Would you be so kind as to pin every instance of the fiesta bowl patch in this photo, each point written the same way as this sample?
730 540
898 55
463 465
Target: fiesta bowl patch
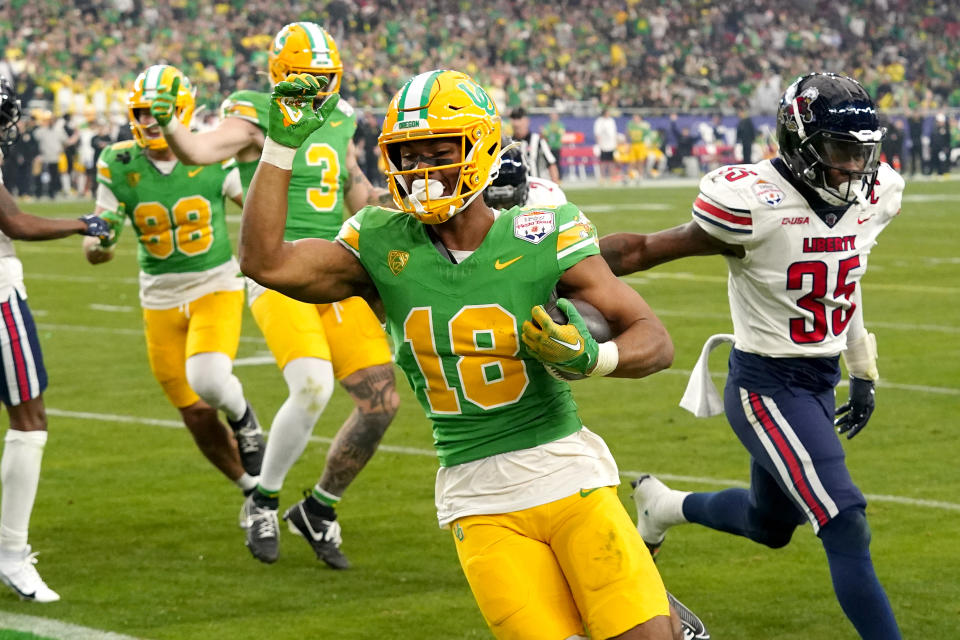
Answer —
534 226
768 193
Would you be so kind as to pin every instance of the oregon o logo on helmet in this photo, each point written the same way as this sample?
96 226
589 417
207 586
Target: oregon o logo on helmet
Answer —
478 96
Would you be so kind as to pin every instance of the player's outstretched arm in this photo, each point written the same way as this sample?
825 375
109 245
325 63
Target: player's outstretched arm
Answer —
643 343
23 226
627 253
228 139
312 270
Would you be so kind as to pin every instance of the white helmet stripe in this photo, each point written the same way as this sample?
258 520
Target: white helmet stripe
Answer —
317 42
415 96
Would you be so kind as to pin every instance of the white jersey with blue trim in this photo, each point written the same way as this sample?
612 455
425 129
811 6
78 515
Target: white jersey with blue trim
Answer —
791 295
544 193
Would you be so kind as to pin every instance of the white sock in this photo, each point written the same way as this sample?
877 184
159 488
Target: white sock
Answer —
210 375
247 482
311 383
20 475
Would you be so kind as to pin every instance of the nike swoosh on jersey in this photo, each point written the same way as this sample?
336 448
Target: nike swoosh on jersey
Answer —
573 347
862 220
503 265
337 123
585 492
194 172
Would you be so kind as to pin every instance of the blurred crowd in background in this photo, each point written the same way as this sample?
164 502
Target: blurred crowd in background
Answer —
692 69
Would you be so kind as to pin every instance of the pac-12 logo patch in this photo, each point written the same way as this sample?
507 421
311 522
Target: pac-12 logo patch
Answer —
768 193
534 226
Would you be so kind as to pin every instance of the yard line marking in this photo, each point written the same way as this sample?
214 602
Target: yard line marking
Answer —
115 308
253 361
95 279
49 628
46 326
696 277
883 384
415 451
897 326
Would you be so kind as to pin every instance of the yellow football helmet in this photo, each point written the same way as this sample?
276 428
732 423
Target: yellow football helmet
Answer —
157 78
442 104
305 47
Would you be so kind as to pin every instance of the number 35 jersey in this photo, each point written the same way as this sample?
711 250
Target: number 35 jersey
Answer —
792 294
456 327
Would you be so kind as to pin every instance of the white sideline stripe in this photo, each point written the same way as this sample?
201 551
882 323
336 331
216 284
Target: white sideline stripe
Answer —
696 277
897 326
96 279
414 451
644 206
261 360
55 629
117 331
115 308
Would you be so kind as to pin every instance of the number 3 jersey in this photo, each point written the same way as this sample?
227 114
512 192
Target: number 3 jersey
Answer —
184 250
792 294
456 327
319 180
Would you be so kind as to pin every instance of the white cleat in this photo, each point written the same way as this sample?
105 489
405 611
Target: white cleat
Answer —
658 509
18 572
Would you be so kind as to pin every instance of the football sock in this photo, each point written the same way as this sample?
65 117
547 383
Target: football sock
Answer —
269 501
324 496
721 510
247 483
317 508
210 375
20 475
846 539
311 382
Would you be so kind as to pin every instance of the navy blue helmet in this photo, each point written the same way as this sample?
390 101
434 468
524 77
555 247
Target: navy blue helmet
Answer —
509 189
828 121
9 114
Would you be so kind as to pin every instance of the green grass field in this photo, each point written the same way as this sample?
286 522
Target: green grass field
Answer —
138 532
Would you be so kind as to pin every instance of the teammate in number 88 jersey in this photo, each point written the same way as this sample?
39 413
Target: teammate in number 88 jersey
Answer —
191 289
796 232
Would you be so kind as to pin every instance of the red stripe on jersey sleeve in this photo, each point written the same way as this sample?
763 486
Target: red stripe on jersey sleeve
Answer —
723 214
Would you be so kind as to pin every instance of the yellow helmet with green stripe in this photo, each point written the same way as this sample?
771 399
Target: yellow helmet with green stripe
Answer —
449 105
157 78
305 47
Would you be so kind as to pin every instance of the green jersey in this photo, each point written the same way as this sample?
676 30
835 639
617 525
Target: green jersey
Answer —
638 132
178 217
456 327
553 134
315 198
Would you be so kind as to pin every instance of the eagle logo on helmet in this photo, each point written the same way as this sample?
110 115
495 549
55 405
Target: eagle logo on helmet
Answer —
801 108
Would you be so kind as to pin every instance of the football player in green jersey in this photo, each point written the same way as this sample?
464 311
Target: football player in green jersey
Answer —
528 492
313 344
191 289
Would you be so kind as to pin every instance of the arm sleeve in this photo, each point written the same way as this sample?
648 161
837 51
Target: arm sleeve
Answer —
106 199
232 188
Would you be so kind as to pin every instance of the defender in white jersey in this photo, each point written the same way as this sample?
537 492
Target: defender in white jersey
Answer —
796 232
23 377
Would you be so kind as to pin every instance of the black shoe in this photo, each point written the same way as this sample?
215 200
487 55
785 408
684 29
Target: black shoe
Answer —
322 534
692 625
249 437
262 530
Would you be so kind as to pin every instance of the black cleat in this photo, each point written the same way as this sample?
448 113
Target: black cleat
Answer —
322 534
262 530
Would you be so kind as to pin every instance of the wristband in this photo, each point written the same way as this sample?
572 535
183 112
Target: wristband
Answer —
278 155
608 357
171 126
861 358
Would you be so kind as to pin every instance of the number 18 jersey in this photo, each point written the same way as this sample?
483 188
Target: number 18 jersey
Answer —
456 327
792 294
